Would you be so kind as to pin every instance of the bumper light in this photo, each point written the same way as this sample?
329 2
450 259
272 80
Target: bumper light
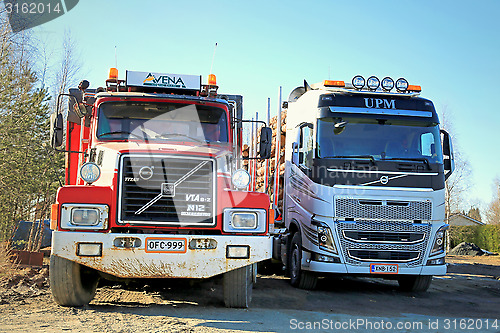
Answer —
324 258
89 249
434 262
203 244
238 252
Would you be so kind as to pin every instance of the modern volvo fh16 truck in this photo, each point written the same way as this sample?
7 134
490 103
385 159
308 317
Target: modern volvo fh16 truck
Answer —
153 188
364 186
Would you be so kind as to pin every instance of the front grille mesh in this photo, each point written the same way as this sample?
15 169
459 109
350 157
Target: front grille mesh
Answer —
191 203
415 251
383 209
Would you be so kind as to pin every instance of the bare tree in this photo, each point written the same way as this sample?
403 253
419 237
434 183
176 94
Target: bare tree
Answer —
69 67
493 211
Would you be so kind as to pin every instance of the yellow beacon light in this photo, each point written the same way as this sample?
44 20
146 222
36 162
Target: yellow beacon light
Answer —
332 83
212 80
113 74
414 88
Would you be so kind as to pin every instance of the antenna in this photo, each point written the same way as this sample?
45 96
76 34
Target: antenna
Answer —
213 57
116 59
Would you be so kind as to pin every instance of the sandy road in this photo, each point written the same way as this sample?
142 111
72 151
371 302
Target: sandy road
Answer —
181 306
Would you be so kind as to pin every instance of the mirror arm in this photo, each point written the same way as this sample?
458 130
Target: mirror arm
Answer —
68 151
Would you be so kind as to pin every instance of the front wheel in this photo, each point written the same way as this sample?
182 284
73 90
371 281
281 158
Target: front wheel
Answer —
299 278
237 285
415 283
71 284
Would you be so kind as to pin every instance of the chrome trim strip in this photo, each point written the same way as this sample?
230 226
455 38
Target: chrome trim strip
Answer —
389 172
383 260
393 112
382 242
407 189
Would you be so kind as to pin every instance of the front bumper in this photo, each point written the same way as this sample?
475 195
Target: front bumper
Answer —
325 267
137 263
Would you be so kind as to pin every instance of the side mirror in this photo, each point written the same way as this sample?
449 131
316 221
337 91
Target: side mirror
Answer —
266 139
56 131
448 158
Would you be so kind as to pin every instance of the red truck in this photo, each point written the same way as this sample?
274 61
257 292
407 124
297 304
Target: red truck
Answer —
154 188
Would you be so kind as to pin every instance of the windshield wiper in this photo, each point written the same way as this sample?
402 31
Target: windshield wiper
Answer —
418 159
371 157
120 132
166 135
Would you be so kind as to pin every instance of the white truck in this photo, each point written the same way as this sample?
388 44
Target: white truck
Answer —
364 183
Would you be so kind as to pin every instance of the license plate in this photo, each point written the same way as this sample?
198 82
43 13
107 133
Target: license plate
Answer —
383 268
165 245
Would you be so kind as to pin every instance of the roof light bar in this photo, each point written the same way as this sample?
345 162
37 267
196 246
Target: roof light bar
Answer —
373 83
401 85
332 83
387 84
358 82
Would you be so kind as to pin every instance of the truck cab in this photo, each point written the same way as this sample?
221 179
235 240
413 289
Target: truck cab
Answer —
365 170
154 189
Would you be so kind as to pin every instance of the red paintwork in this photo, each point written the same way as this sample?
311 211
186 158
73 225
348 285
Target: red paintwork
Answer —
80 138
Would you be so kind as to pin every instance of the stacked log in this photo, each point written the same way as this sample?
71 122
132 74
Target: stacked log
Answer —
261 164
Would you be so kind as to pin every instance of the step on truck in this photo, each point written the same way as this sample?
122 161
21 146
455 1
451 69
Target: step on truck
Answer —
154 187
364 183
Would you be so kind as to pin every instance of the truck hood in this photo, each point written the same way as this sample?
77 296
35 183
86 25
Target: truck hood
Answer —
211 150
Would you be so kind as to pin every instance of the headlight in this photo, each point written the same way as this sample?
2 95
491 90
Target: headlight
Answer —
245 220
241 179
325 238
84 216
90 172
439 240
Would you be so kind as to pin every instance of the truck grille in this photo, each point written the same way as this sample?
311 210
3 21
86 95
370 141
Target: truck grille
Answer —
384 236
370 255
396 241
168 190
383 209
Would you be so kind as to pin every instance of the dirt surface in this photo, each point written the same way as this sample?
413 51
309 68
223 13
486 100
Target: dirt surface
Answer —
469 291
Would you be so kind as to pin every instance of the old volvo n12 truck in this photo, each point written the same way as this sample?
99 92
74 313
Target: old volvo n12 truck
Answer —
153 188
364 185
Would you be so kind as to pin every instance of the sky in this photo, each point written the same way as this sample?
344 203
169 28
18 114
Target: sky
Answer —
450 48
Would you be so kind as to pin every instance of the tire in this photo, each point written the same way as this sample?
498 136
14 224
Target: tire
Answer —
415 283
298 277
71 284
238 285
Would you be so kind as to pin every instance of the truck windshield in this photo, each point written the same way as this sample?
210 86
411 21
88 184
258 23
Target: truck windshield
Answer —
161 121
378 139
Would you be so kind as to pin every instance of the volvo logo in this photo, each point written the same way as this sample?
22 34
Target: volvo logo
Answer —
168 189
384 179
146 173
